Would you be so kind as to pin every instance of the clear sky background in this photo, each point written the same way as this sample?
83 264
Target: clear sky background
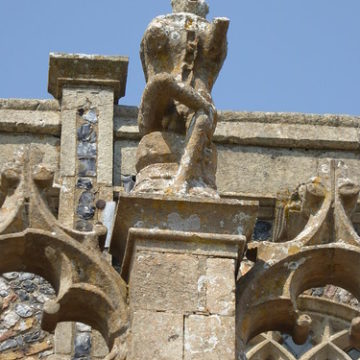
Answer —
284 55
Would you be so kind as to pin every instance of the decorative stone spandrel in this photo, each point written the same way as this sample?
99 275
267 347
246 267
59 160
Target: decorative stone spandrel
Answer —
86 285
156 335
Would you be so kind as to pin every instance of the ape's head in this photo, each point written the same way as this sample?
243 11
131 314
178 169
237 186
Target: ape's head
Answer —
197 7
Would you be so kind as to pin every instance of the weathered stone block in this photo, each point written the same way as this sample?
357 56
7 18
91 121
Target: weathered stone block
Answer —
124 159
220 286
156 336
63 338
99 347
209 338
167 282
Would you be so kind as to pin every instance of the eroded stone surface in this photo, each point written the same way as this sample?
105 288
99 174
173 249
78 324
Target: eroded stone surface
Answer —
182 54
156 335
151 289
220 286
209 337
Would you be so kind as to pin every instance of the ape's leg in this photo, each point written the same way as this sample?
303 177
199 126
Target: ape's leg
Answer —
198 139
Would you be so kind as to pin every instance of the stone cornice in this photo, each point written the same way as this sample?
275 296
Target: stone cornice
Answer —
87 70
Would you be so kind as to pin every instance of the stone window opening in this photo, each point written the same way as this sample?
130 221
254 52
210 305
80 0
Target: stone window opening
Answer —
22 298
331 309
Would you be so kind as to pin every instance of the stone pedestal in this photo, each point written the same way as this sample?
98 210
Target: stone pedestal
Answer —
180 257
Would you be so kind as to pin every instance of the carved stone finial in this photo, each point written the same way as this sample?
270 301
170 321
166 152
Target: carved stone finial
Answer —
197 7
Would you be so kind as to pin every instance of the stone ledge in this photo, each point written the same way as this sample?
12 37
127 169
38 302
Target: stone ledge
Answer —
283 130
229 116
180 242
170 218
30 121
87 70
29 104
336 120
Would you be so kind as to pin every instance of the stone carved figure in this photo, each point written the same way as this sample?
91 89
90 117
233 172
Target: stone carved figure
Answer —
182 54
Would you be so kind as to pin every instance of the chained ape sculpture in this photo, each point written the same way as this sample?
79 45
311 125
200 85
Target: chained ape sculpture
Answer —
182 54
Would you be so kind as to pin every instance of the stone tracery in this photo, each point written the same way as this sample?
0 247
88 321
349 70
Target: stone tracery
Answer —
325 251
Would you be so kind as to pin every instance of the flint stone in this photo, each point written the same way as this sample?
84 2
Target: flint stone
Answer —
4 293
34 336
22 294
29 286
82 345
42 298
86 150
10 319
90 116
47 290
87 167
86 133
86 208
26 276
128 182
9 344
83 327
24 310
262 230
10 275
20 341
15 284
84 184
4 287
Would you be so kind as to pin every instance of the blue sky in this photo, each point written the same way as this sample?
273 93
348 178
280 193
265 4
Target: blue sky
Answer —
284 55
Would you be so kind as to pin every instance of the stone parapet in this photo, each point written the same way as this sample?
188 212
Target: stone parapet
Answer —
283 130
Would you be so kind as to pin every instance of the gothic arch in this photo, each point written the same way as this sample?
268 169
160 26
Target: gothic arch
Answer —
87 288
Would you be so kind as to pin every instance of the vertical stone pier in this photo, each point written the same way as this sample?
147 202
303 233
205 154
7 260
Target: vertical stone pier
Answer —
87 87
180 257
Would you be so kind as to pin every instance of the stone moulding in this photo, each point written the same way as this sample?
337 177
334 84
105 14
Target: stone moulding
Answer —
185 220
322 132
194 243
88 289
87 70
325 252
302 131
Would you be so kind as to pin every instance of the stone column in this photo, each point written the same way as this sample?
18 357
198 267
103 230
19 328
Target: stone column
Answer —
88 87
180 257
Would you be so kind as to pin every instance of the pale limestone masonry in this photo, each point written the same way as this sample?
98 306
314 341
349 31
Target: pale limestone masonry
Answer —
265 268
265 159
